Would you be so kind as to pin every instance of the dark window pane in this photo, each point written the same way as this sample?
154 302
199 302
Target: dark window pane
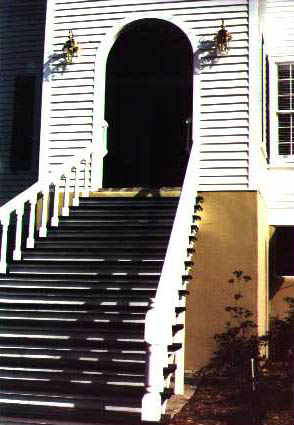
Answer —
284 102
23 123
284 87
285 149
284 120
284 71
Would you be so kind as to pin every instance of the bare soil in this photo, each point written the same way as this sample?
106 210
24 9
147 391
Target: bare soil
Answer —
219 402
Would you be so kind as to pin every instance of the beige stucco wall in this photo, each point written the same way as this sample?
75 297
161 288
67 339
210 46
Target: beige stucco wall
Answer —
233 236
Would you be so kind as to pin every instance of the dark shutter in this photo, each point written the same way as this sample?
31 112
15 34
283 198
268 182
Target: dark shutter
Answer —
23 123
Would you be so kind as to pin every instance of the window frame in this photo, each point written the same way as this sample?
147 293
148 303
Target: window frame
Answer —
275 157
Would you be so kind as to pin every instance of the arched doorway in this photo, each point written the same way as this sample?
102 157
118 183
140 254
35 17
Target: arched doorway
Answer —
148 99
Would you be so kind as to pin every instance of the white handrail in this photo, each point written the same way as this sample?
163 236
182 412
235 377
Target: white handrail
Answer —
43 187
161 317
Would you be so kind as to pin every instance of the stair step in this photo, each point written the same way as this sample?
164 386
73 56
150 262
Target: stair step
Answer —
111 234
77 342
43 325
117 213
134 202
112 225
78 316
87 267
73 293
72 365
34 415
104 246
31 352
125 306
90 254
62 280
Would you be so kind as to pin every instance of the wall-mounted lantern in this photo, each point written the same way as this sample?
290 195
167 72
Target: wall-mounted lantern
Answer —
222 39
70 48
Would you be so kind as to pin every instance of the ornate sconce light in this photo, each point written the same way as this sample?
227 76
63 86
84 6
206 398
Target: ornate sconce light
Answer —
222 39
70 48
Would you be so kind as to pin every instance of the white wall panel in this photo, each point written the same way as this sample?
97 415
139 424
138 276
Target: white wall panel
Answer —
224 91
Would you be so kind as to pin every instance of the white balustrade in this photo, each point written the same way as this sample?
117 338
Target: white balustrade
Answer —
80 163
161 318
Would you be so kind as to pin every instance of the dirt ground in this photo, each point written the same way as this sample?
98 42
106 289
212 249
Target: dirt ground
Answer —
218 404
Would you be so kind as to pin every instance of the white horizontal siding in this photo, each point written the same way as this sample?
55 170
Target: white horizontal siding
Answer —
279 15
224 91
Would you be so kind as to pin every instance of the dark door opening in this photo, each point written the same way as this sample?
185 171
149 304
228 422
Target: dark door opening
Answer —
148 96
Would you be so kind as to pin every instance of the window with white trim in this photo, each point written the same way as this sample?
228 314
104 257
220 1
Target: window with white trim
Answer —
285 110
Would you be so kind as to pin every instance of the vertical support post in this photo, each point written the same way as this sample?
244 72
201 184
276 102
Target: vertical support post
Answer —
43 228
18 235
151 402
180 358
156 359
54 219
31 237
86 177
65 209
97 156
3 260
76 201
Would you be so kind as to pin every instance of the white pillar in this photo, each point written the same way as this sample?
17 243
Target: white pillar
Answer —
31 237
54 219
18 235
43 228
3 260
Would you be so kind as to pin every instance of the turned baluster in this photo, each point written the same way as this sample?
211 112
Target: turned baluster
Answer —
3 260
43 228
31 236
65 209
54 219
86 178
75 200
18 235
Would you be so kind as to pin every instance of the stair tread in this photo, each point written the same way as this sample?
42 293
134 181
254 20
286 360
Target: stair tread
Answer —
75 365
78 342
54 415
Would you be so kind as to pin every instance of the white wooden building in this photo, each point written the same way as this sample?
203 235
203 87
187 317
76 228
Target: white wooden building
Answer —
147 97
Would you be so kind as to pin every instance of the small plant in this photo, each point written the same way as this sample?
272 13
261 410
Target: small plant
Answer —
238 343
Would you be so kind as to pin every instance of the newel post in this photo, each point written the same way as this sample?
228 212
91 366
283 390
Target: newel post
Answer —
3 260
99 152
156 360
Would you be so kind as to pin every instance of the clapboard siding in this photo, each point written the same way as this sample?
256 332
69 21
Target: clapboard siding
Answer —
224 125
280 16
22 25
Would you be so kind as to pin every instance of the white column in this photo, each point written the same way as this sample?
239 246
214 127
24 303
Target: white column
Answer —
76 201
151 402
54 219
31 237
43 228
86 178
65 209
3 260
18 236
